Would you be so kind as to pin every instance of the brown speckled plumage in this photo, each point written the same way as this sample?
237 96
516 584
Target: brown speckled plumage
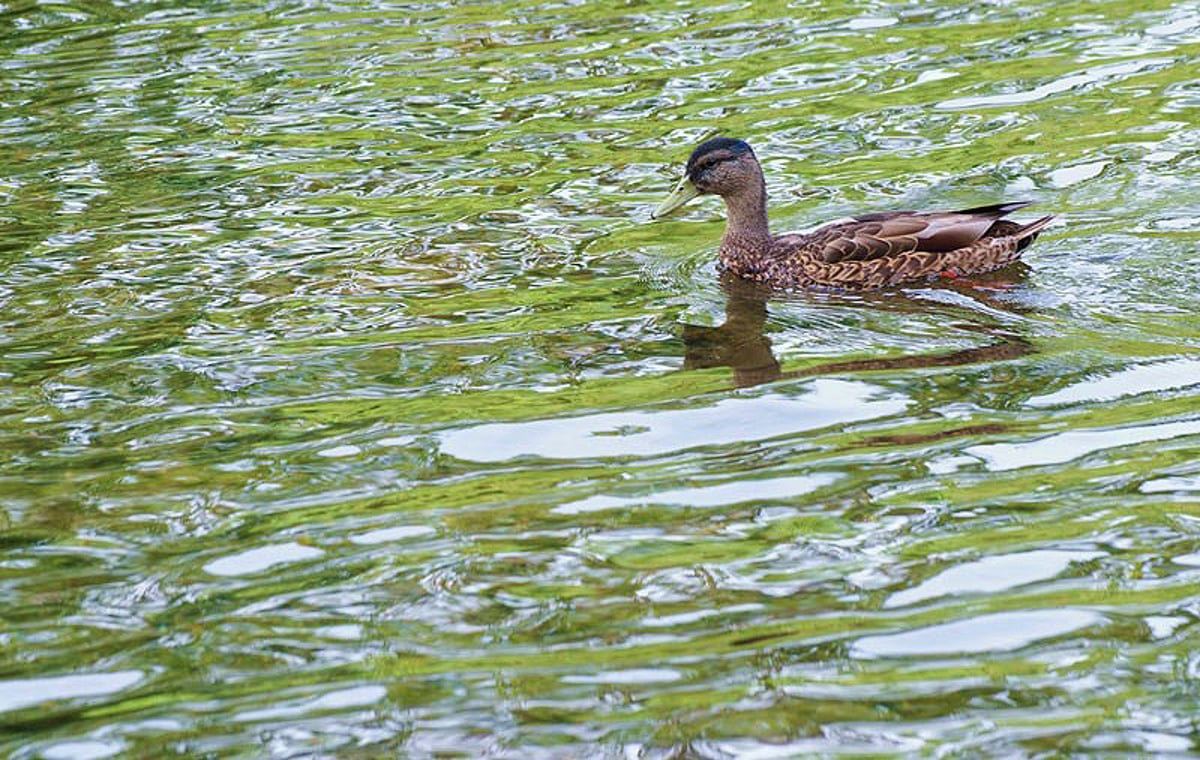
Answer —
868 251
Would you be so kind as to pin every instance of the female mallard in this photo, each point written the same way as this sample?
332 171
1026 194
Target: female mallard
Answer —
868 251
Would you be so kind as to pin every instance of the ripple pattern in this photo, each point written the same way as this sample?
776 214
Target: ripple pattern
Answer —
351 405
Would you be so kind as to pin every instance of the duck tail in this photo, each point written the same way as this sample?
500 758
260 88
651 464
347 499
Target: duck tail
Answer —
996 210
1029 230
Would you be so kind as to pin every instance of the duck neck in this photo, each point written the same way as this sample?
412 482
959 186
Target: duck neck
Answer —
746 219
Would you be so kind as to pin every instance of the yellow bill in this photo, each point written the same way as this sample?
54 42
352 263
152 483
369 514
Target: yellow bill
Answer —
682 193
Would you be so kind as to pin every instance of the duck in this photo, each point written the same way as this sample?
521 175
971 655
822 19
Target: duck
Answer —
865 252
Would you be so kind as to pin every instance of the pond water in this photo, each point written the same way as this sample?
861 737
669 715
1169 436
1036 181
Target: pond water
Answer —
352 404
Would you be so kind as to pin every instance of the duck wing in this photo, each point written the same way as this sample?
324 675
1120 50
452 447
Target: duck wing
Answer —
892 233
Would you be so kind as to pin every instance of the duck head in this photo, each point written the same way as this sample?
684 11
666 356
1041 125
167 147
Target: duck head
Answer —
720 166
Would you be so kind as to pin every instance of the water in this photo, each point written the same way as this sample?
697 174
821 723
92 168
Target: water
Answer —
351 403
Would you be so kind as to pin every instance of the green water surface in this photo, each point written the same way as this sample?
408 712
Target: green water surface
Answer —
351 405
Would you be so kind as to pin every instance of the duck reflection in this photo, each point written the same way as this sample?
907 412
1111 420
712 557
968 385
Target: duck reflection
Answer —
741 343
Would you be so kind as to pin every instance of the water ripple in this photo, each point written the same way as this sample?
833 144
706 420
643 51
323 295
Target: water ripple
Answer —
353 404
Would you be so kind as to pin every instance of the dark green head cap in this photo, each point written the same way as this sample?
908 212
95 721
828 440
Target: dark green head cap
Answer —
734 147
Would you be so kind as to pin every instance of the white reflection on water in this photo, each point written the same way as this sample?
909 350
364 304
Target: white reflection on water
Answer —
1073 175
1004 631
26 692
82 750
631 676
706 496
257 560
640 433
1096 75
355 697
1168 485
1064 447
397 533
997 573
1144 378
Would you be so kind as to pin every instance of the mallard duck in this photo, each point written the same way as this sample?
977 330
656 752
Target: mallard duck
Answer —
864 252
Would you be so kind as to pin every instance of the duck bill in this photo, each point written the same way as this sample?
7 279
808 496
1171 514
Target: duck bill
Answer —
682 193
